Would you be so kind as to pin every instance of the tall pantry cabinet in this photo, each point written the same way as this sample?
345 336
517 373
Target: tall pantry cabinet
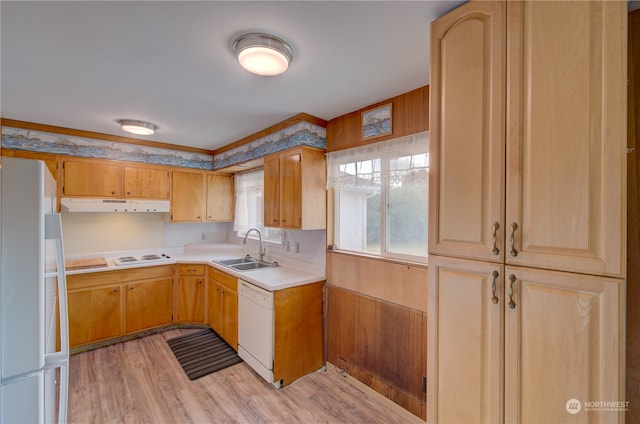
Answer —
527 212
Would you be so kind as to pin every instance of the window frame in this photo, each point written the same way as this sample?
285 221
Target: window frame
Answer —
386 156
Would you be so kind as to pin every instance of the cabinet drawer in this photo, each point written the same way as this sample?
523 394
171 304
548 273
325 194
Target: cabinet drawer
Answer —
223 278
191 269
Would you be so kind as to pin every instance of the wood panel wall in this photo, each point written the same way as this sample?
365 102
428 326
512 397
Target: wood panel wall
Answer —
399 283
633 222
410 115
379 343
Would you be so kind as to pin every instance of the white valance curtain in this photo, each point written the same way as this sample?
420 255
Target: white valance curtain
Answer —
249 189
404 159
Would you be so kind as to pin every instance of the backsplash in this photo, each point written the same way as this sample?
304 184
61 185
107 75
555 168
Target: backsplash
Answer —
105 232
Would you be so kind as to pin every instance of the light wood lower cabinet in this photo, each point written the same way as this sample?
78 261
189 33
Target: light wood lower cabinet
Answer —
149 304
298 326
110 304
558 335
95 313
222 305
190 295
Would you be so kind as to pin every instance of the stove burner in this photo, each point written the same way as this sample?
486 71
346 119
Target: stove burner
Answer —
127 259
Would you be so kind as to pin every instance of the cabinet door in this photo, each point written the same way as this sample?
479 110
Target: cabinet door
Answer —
272 191
467 124
566 135
91 179
146 183
291 191
220 197
465 342
563 341
214 305
148 304
230 316
187 196
94 314
191 299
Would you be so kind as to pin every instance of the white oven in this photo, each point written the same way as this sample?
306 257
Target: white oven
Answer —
256 329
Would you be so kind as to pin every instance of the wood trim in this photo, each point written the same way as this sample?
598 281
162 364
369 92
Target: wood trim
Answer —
4 122
633 219
301 117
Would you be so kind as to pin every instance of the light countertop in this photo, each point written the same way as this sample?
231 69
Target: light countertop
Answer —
288 274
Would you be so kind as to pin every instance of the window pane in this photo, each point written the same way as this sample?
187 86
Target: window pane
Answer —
250 207
408 209
359 218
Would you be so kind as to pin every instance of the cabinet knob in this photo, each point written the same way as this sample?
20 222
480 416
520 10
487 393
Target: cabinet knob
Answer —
131 288
128 193
275 220
115 290
284 220
113 192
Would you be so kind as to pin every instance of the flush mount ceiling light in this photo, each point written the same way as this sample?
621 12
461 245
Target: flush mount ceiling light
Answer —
137 127
263 54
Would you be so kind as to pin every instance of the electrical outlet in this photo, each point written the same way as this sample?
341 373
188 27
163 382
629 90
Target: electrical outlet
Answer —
287 246
204 235
297 247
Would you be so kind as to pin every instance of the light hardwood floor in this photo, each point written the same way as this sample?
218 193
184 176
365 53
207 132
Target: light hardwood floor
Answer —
140 381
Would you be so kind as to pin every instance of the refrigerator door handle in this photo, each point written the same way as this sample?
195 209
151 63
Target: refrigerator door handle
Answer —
53 231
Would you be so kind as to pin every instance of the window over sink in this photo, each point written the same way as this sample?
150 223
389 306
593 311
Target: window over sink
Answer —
249 191
381 197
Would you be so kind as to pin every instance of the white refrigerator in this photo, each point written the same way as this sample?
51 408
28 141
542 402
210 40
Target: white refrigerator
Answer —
34 344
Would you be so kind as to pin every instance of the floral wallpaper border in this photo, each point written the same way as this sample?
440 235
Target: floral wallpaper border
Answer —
45 142
302 133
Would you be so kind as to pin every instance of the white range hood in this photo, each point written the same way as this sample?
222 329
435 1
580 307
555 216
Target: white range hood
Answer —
70 204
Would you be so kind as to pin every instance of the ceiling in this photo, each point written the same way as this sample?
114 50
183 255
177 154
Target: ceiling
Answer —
85 64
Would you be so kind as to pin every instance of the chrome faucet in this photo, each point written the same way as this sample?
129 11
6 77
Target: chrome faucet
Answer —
261 251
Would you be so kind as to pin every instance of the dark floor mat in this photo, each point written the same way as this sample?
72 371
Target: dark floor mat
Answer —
202 353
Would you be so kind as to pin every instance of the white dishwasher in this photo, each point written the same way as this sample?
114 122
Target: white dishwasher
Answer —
255 329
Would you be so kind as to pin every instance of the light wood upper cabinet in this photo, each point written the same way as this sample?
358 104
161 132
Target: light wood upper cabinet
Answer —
220 197
91 178
102 178
187 196
566 157
467 132
146 183
295 189
272 191
563 137
563 340
201 196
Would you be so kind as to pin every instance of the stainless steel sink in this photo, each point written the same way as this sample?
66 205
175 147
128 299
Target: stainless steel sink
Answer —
247 266
246 263
234 261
